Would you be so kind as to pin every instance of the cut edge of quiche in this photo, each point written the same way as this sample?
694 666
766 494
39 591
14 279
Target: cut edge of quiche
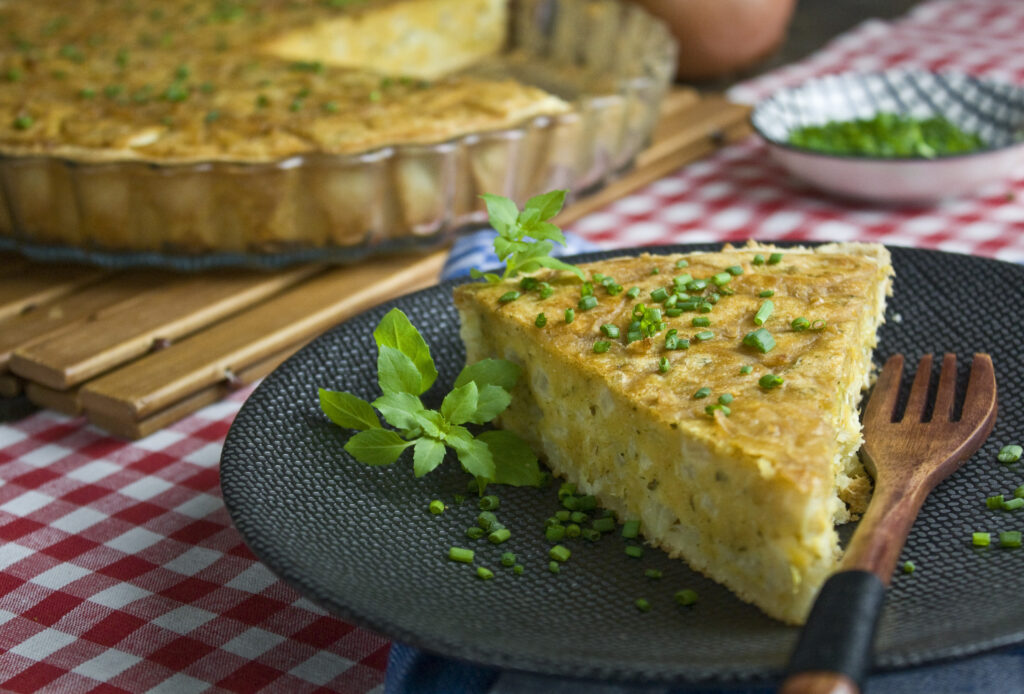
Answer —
745 483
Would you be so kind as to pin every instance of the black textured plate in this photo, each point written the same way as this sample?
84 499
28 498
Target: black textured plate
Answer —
359 540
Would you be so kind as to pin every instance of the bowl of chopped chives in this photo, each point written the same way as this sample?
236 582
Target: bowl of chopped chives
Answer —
897 137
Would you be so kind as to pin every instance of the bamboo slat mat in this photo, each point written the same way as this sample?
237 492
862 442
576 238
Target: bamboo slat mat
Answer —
136 350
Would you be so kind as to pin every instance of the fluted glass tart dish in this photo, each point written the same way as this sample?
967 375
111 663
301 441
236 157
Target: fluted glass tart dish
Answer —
265 132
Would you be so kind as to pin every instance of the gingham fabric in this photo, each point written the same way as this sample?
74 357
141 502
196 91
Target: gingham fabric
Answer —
119 568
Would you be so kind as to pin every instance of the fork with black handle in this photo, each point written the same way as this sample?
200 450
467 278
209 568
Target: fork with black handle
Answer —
907 458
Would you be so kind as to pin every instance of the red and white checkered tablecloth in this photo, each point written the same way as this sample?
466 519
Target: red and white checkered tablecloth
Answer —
120 570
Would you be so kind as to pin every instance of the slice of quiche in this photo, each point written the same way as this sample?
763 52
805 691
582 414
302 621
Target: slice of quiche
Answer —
712 396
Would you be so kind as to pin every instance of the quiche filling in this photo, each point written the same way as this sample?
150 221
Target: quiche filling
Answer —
737 454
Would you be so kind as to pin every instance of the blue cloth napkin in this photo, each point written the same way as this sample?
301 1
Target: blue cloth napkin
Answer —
413 671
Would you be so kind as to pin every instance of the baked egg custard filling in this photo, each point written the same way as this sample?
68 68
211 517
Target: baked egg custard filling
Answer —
738 454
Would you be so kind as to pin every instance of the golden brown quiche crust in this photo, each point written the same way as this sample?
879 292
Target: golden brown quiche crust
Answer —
788 435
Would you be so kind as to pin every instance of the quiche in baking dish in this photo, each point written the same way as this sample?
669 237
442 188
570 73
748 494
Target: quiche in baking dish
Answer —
725 419
255 125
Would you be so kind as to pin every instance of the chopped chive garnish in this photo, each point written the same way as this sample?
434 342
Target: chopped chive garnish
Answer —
725 398
487 520
1019 492
685 597
819 324
489 502
981 539
652 573
578 517
508 559
700 322
1009 538
554 533
1013 504
24 122
994 502
1010 454
704 335
734 269
517 569
721 279
546 290
696 285
711 409
642 604
610 330
775 259
702 393
800 324
499 536
764 313
758 259
562 516
587 303
633 293
541 320
437 506
572 503
484 573
635 551
681 281
655 271
764 293
588 502
572 530
559 553
554 567
570 315
673 312
908 567
602 346
746 368
508 296
528 283
474 532
760 339
604 525
769 381
659 295
566 489
460 554
664 365
682 263
587 289
630 529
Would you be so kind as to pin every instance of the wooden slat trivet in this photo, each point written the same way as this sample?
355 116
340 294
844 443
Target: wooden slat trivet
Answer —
63 342
161 379
119 333
25 285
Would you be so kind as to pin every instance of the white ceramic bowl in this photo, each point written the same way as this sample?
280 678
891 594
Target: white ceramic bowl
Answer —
993 110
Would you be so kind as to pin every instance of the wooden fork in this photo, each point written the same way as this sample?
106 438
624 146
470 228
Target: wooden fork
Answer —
907 458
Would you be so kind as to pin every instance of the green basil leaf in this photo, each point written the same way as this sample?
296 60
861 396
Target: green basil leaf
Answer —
491 402
396 331
427 454
460 404
346 410
476 459
556 264
501 212
396 372
376 446
547 230
401 410
432 423
547 204
515 463
489 372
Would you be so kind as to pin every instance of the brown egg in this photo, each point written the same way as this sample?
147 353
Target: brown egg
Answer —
717 37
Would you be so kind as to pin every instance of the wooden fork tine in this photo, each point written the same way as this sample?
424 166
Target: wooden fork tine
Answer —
919 391
943 409
882 402
980 399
